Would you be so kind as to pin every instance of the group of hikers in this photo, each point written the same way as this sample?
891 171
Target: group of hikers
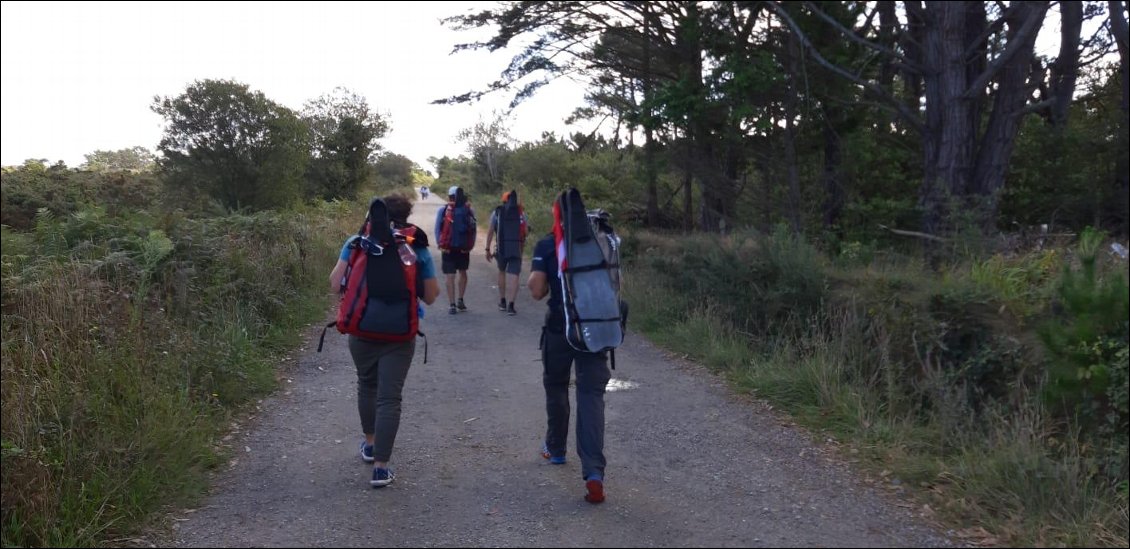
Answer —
576 265
457 229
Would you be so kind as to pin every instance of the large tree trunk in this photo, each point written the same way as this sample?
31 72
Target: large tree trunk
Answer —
912 41
715 196
949 135
650 171
650 174
1008 108
888 33
834 194
1066 66
791 100
1119 30
960 170
688 201
765 202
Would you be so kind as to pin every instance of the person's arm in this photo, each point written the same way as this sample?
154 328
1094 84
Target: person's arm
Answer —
538 286
431 290
490 233
538 283
336 274
426 269
439 222
339 270
526 221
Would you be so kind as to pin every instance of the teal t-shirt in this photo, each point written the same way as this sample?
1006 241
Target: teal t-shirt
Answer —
425 267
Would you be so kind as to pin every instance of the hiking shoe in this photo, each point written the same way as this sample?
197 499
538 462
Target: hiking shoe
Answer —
556 460
366 452
502 305
461 306
594 488
452 310
381 477
510 311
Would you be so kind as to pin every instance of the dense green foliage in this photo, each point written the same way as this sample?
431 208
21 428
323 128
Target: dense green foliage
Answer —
225 143
232 144
999 385
344 137
143 308
130 330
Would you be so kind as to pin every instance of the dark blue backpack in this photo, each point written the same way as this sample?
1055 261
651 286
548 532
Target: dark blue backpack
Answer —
459 227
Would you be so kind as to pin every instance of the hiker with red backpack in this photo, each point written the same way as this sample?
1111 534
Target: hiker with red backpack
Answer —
381 274
510 222
457 230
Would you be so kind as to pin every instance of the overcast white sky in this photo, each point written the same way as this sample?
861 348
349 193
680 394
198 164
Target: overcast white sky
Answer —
79 77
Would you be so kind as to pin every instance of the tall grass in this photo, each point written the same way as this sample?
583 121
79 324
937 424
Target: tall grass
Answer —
933 379
126 342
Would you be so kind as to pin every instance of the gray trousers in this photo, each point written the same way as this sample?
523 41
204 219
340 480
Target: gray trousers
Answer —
592 378
381 371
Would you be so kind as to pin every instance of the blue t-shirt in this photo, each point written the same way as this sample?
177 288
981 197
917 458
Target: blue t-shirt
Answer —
425 267
545 261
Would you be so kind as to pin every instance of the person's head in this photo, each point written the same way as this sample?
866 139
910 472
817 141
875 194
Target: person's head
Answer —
506 197
399 208
452 192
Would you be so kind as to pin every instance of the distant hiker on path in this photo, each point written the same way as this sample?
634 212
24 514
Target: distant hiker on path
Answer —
456 229
509 221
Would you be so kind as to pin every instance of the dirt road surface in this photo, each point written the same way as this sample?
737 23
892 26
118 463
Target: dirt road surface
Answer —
690 464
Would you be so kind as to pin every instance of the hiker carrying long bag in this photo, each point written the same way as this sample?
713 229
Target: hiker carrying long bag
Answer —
589 271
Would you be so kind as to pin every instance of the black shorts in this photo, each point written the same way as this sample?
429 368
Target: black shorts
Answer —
511 266
455 261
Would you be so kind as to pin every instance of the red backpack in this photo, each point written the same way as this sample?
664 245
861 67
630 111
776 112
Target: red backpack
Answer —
458 231
378 291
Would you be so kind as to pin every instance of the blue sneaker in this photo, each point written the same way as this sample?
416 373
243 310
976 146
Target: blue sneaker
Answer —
381 477
366 452
556 460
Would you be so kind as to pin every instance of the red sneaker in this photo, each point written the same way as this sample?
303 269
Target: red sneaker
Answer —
595 491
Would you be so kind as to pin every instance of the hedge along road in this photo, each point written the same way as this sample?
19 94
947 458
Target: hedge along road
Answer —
690 464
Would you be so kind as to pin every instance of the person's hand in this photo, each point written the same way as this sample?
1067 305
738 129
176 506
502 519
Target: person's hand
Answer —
489 255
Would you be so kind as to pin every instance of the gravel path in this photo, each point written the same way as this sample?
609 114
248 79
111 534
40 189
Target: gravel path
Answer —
689 463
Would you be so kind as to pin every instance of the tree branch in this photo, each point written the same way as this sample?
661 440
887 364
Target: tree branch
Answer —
856 38
915 234
1017 43
910 116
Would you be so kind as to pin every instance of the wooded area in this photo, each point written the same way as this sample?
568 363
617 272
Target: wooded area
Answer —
833 117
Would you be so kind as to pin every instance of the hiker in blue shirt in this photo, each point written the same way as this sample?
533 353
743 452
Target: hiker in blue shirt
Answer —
382 367
558 358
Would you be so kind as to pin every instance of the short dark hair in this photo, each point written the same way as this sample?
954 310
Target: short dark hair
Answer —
399 208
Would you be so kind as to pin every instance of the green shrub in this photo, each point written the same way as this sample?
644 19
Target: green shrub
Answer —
1087 342
126 339
764 285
